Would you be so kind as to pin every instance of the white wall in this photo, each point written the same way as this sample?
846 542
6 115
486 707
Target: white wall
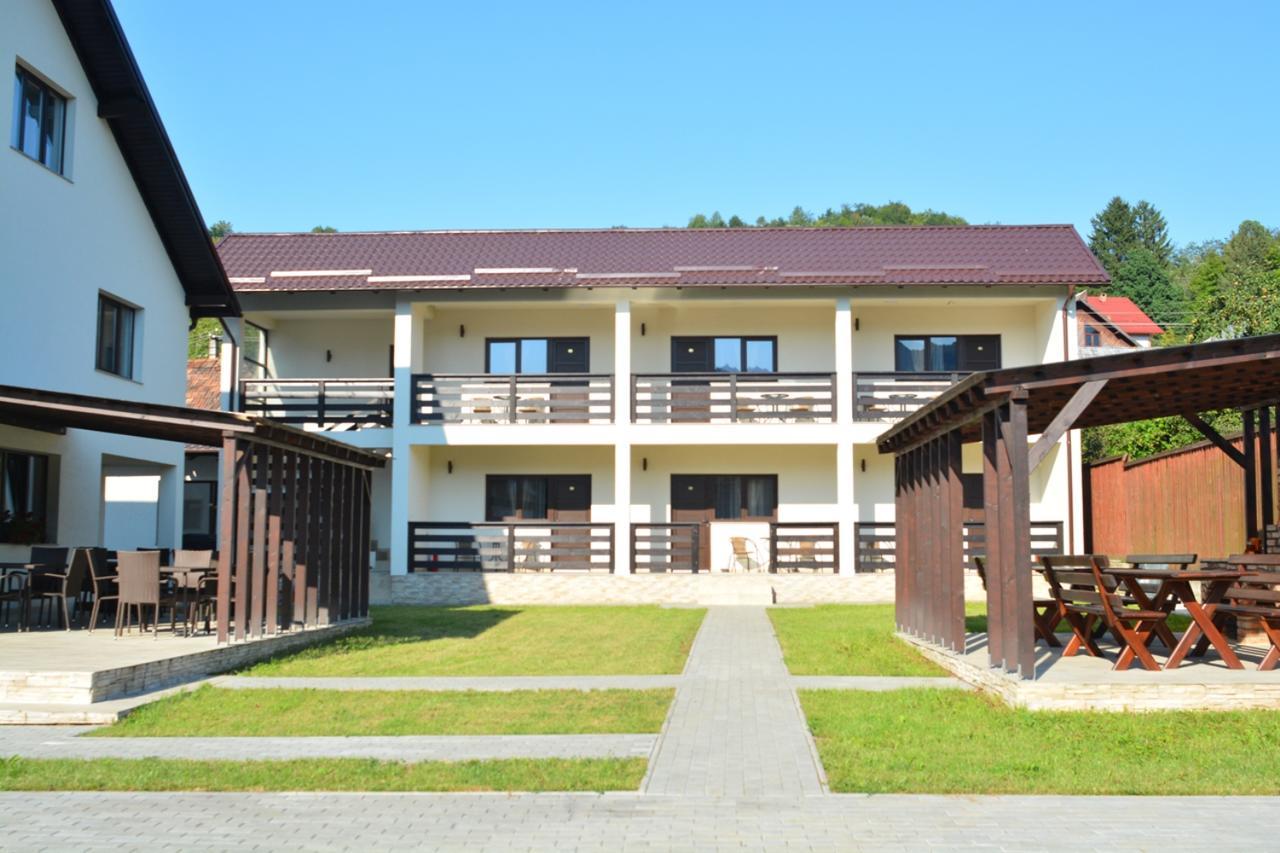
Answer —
447 351
360 347
806 334
62 239
1019 327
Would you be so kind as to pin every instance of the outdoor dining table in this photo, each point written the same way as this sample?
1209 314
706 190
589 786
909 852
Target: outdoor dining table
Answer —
1175 586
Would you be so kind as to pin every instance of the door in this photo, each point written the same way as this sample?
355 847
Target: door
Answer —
570 398
690 502
691 398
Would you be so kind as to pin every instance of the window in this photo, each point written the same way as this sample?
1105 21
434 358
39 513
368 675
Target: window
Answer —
564 497
116 324
253 355
1092 337
945 353
24 483
537 355
726 496
39 120
724 355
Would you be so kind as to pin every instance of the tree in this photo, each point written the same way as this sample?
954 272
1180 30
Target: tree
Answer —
324 229
218 230
1114 234
1152 231
1145 280
847 216
198 337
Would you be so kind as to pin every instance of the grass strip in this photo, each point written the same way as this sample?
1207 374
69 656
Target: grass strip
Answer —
950 742
334 774
845 639
270 712
407 640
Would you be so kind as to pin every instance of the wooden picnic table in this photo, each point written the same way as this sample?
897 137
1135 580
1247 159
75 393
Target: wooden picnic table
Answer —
1175 587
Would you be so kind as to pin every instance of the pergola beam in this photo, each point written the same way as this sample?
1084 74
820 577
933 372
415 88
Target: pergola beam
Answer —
1204 428
1062 421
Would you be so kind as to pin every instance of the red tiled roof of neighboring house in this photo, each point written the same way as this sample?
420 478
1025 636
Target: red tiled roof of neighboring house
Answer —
1124 314
657 257
203 383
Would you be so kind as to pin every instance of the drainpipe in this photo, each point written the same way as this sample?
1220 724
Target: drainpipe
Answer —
1070 544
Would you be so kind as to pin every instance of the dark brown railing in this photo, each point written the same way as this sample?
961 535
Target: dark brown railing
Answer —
877 542
671 547
715 398
553 398
330 404
521 546
893 396
797 546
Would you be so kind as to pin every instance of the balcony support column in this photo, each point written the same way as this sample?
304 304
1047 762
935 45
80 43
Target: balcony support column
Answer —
406 359
229 365
622 437
846 507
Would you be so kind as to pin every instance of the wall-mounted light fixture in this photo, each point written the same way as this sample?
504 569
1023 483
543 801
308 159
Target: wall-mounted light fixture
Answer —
644 463
449 466
462 331
863 466
642 330
856 324
328 355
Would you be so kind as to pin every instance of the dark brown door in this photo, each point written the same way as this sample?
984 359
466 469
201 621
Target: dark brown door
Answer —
570 398
690 502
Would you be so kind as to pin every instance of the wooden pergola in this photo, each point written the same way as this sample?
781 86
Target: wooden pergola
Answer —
294 506
1002 409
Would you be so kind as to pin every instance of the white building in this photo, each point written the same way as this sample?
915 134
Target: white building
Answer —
106 263
569 400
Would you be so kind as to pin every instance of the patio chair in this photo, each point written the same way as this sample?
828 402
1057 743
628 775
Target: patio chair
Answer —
15 589
1046 615
1258 598
46 587
102 581
746 554
195 592
1086 594
139 579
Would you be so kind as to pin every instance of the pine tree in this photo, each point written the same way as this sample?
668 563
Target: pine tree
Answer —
1152 231
1114 234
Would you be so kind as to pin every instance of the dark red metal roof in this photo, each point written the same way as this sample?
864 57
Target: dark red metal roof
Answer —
661 257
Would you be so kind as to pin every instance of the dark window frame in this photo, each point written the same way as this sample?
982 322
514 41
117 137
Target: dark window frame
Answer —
1092 336
709 480
38 486
927 337
121 360
548 480
262 351
551 340
24 77
683 340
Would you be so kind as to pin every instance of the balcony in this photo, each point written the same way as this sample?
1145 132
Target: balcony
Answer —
521 546
326 404
893 396
722 398
877 542
556 398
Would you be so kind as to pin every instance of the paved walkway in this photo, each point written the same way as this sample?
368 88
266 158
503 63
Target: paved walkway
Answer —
629 822
64 742
735 728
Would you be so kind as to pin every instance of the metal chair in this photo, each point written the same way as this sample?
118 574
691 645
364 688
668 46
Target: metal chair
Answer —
746 554
64 585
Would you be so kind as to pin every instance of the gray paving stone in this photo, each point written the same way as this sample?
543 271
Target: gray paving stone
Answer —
65 742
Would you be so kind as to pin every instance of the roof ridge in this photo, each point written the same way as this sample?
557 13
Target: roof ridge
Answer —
671 229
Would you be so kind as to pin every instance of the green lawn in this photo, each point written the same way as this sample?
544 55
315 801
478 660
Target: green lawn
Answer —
846 639
407 640
334 774
214 712
948 741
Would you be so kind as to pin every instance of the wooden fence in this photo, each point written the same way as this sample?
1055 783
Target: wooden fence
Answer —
1190 500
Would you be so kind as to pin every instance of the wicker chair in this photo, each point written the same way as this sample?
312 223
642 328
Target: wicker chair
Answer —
196 590
46 587
102 581
139 580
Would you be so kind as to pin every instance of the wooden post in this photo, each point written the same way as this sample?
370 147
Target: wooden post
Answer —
289 535
244 459
226 537
991 429
302 526
366 505
324 565
1250 476
315 543
274 510
257 593
955 542
1266 468
1016 553
899 512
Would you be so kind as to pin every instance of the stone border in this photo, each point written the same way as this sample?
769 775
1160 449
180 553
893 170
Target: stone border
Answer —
1042 695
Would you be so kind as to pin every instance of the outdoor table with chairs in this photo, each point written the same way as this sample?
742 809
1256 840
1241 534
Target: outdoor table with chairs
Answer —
1133 603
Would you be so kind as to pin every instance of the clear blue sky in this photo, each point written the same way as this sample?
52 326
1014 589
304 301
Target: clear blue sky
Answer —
407 115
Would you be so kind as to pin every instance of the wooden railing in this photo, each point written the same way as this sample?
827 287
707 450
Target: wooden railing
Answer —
893 396
672 547
522 546
330 404
715 398
877 542
551 398
797 546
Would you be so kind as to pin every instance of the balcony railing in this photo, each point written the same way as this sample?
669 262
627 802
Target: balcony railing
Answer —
893 396
554 398
521 546
877 542
328 404
794 546
721 398
671 547
797 546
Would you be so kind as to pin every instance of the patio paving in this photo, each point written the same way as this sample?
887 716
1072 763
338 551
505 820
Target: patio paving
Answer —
629 822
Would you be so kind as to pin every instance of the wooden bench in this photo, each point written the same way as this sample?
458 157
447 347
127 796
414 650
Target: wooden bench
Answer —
1257 597
1087 595
1045 613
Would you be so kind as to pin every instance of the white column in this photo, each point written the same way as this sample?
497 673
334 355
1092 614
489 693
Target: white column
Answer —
406 358
845 502
622 437
229 364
